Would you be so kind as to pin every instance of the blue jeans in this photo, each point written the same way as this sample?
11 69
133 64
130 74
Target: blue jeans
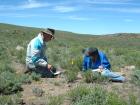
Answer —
113 76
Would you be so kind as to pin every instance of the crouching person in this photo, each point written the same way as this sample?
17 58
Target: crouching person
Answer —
35 58
97 62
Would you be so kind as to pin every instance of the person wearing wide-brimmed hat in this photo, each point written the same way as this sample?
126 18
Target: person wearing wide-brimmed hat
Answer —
36 59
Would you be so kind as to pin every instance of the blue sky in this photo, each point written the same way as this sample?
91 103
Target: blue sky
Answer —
79 16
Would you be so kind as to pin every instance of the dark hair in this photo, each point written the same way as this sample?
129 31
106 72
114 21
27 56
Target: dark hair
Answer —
92 51
52 30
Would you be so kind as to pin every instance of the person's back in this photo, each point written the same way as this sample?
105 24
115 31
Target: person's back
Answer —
101 60
35 51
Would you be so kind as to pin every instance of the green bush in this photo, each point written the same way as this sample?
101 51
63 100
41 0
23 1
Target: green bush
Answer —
4 66
10 100
132 58
133 100
95 96
6 100
120 51
114 99
70 75
76 63
78 92
25 78
21 56
9 83
135 77
3 52
35 76
37 91
90 77
55 100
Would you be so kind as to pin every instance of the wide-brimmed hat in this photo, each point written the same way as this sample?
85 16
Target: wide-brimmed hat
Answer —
49 31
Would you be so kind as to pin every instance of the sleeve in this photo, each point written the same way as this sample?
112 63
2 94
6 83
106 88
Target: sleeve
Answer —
84 66
36 57
104 61
86 63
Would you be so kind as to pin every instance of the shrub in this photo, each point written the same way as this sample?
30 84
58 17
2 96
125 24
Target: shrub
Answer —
70 75
24 78
135 77
90 77
3 53
21 56
37 91
97 96
133 100
11 100
6 100
114 99
78 92
9 83
77 63
120 51
55 100
4 66
35 76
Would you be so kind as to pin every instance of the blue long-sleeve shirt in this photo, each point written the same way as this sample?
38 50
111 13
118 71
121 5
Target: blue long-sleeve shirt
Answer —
101 61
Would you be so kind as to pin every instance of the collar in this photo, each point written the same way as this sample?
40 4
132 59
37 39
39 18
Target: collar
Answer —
40 38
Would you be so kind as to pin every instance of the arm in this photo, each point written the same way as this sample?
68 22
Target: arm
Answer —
86 63
36 54
84 66
104 61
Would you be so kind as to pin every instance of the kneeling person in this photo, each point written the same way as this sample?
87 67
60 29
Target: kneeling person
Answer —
35 57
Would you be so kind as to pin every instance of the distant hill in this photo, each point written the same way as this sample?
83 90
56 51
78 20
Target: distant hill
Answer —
6 27
118 39
110 40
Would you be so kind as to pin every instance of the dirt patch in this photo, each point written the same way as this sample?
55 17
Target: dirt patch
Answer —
18 67
59 86
50 86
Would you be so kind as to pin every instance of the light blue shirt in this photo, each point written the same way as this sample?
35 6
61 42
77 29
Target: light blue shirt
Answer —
36 52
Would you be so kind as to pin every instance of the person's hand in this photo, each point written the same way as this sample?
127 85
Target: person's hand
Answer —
49 66
100 68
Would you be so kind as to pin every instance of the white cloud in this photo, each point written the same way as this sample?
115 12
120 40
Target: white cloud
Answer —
17 15
78 18
125 10
111 2
128 20
64 9
29 4
33 4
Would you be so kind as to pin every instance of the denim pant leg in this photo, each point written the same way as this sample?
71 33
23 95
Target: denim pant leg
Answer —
112 76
